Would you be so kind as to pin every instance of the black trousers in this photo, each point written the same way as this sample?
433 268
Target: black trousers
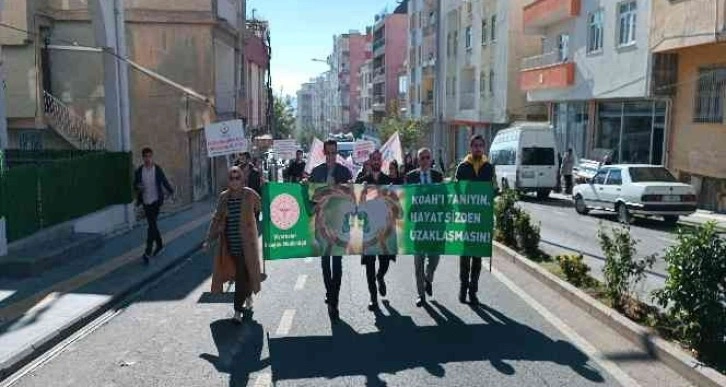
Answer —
369 261
152 235
469 272
568 184
332 277
242 288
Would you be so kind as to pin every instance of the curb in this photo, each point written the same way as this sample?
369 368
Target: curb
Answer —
668 353
46 343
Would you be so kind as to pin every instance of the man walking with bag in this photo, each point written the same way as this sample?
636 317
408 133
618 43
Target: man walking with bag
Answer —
424 275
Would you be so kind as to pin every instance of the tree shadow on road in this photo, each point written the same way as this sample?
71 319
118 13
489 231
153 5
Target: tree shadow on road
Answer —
401 345
239 350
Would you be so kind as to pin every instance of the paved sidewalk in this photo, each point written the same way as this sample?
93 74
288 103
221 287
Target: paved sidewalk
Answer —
37 312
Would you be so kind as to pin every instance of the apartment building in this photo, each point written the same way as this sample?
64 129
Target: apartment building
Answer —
304 114
389 46
56 97
483 42
422 58
365 91
594 70
350 51
687 40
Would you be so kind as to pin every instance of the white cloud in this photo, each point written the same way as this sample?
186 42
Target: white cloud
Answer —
289 81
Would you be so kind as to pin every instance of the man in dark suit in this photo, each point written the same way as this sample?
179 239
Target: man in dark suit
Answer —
424 278
150 183
375 176
475 167
331 172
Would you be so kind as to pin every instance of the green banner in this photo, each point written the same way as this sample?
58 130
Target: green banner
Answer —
317 220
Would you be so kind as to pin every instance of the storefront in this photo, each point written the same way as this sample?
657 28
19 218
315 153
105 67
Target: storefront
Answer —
570 120
632 131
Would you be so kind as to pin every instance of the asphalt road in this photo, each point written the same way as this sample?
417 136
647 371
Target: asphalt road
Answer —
177 334
565 231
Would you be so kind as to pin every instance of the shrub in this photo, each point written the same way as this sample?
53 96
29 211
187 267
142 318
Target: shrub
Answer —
574 269
696 290
527 234
622 270
505 214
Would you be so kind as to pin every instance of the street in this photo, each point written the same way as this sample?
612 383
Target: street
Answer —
563 231
177 334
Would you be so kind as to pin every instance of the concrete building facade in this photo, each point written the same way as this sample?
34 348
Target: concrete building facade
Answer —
390 48
689 56
196 43
482 45
595 70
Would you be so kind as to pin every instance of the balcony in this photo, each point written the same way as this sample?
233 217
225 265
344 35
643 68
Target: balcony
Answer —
546 71
542 13
379 103
378 44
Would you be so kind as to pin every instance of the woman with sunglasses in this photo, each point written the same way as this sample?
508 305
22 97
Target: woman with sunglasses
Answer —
238 257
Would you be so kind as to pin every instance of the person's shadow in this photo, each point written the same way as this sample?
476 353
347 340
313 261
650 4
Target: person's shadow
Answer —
239 349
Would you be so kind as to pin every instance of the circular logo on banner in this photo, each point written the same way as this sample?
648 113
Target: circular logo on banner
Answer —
284 211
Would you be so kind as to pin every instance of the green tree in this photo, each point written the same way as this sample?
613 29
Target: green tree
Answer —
358 128
411 131
283 117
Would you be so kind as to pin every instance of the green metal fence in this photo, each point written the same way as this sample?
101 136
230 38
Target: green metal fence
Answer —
36 196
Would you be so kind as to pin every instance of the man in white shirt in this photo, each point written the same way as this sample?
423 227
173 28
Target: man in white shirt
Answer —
150 182
424 277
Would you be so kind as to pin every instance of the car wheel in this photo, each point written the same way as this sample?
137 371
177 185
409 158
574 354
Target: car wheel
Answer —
671 220
624 216
580 205
543 194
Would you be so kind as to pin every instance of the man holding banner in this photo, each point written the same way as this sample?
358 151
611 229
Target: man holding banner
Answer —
424 278
374 176
331 173
475 167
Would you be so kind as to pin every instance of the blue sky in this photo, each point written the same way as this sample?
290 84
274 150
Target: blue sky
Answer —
303 29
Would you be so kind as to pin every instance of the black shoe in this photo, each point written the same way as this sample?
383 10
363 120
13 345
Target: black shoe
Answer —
159 250
333 312
382 287
420 302
373 305
145 257
429 289
473 299
462 295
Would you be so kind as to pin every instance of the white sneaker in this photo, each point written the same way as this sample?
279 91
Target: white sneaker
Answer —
238 317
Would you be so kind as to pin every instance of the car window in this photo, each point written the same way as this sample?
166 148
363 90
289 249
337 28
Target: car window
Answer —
615 177
600 176
538 156
651 174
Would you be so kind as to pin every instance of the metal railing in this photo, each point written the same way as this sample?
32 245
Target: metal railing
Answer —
547 59
70 126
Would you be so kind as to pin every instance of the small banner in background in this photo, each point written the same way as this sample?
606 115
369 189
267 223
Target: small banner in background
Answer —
317 220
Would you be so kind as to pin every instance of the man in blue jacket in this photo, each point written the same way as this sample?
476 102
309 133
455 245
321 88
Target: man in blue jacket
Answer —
330 172
150 183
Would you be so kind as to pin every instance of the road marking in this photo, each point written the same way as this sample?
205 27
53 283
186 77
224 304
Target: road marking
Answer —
263 380
19 308
300 284
579 341
286 322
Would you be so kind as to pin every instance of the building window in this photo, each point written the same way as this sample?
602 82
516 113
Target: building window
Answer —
468 38
710 91
432 18
627 17
453 86
484 31
491 81
494 28
448 44
563 47
594 31
456 43
31 140
482 83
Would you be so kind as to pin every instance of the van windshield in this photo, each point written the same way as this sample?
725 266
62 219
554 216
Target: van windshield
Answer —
538 156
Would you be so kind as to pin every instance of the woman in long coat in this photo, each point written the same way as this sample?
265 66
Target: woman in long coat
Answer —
238 257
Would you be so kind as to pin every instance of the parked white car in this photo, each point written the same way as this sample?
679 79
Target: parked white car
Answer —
628 190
